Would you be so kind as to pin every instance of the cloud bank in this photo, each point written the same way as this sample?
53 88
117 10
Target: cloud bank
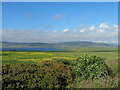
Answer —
101 33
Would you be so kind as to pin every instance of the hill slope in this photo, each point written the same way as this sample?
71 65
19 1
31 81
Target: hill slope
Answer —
55 45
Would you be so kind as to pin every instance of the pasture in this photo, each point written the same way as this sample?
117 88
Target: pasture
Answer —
109 55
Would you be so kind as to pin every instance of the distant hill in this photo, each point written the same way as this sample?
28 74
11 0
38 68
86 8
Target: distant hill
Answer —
55 45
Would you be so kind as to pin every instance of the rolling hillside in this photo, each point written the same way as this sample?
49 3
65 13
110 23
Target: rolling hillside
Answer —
55 45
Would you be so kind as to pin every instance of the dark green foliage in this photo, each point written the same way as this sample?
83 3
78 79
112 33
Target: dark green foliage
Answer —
91 67
46 74
62 60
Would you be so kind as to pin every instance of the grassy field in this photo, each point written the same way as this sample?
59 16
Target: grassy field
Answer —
110 55
12 57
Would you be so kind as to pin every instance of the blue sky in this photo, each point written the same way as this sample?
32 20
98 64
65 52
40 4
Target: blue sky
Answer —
56 17
39 15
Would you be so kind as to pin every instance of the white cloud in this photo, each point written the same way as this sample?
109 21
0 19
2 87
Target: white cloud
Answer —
65 30
103 26
101 41
99 34
83 30
92 28
101 30
116 27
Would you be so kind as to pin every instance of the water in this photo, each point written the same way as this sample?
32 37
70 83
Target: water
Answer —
32 49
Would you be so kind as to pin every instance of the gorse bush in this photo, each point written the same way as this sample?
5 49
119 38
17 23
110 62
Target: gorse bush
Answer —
60 73
91 67
64 61
46 74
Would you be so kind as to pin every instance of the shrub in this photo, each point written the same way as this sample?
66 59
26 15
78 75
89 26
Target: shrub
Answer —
91 66
47 74
62 60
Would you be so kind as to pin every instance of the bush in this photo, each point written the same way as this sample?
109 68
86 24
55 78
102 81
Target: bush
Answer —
62 60
91 66
46 74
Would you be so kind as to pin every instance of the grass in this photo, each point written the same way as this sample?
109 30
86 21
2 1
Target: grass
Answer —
107 82
109 54
111 57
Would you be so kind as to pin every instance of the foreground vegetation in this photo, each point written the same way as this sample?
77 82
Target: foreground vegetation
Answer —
81 68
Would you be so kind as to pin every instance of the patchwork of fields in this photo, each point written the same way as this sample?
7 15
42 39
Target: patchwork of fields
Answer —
110 56
12 57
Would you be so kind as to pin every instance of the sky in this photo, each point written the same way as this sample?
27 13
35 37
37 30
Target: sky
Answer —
60 0
60 21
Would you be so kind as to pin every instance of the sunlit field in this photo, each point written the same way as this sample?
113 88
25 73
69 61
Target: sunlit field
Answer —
12 57
109 55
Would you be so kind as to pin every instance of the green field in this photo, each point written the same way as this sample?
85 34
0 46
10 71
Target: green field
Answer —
110 56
